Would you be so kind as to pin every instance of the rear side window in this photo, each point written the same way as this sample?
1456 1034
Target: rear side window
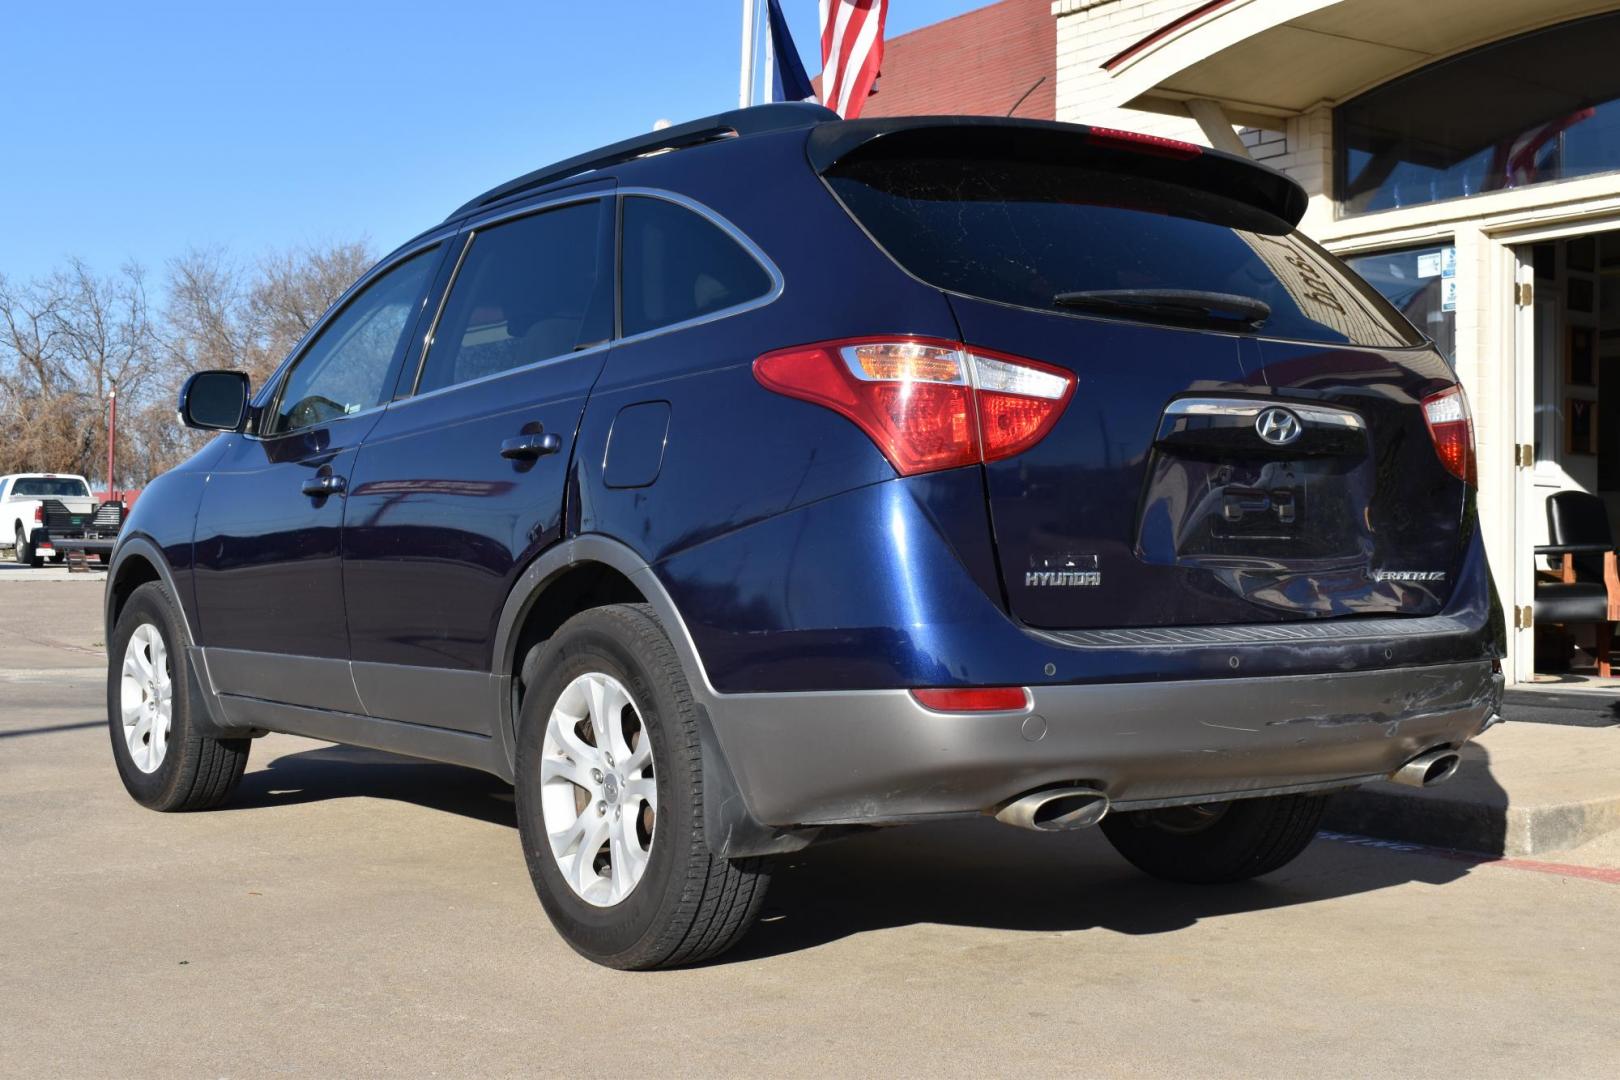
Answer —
1024 233
527 290
678 265
48 487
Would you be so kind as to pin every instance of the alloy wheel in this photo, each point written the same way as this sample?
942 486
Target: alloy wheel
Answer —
146 697
598 795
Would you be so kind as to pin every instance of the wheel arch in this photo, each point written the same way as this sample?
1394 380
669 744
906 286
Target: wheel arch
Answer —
591 570
139 561
136 562
584 572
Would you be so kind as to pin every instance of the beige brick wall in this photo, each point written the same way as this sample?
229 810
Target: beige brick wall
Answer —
1091 31
1264 145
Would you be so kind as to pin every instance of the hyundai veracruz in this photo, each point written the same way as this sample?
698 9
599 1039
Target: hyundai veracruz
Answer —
773 476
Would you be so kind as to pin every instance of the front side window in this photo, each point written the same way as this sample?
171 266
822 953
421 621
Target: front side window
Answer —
346 368
1541 106
48 487
678 266
528 290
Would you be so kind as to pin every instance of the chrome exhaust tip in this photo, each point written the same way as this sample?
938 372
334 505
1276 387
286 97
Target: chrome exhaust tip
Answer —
1058 809
1429 768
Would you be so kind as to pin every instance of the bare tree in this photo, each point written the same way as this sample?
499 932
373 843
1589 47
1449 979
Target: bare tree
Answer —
66 342
70 339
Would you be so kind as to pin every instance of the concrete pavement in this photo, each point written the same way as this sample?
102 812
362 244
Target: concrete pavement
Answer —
354 913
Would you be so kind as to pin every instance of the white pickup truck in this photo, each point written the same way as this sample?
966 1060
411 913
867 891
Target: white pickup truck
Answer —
46 514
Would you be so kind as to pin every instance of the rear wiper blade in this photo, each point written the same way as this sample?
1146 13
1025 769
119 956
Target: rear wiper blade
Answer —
1171 305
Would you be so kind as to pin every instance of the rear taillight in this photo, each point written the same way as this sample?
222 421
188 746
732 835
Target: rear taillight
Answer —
39 514
1452 429
928 404
974 699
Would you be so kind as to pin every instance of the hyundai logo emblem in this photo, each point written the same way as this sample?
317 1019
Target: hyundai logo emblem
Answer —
1279 427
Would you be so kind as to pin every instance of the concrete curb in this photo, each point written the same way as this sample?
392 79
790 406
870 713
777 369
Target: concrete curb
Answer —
1523 789
1395 813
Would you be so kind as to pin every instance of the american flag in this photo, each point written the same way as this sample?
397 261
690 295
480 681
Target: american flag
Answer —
851 52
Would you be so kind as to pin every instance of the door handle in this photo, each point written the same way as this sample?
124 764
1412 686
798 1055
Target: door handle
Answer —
321 486
529 447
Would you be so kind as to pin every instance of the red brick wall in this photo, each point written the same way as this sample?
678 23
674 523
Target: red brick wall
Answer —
978 63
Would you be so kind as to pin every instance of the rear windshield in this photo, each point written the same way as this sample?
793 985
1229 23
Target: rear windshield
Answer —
49 487
1025 232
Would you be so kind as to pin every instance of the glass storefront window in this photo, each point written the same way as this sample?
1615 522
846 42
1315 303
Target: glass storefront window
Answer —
1422 284
1541 106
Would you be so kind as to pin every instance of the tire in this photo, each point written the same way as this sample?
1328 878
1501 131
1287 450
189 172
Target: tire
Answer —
192 771
1217 842
675 902
23 552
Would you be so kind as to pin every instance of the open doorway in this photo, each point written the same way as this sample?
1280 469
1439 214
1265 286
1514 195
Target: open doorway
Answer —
1570 497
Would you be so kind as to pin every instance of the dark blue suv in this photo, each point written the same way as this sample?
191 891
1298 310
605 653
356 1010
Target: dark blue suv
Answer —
771 477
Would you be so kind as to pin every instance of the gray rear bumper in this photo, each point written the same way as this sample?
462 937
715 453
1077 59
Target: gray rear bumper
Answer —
874 757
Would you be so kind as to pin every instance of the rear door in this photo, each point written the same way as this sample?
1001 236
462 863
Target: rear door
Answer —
1246 440
462 481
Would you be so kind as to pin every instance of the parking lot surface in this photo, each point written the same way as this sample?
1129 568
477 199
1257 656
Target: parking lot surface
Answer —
355 913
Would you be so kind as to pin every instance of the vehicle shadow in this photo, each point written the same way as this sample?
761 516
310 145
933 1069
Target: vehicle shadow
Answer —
973 873
343 772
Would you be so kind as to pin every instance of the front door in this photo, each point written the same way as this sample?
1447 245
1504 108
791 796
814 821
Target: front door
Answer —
462 481
268 582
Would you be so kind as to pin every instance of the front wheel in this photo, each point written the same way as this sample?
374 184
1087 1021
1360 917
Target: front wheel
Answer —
610 800
1217 842
166 763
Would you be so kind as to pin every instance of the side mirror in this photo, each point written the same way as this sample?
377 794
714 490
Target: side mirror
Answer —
215 401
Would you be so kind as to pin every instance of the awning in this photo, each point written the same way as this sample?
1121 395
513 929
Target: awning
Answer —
1265 59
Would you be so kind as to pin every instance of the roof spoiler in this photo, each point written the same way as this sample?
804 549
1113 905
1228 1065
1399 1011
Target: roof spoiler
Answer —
781 116
1149 156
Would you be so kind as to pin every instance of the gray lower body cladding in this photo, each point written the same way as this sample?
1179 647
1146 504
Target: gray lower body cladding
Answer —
876 757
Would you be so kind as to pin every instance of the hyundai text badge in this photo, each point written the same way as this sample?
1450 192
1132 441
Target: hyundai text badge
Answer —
1279 427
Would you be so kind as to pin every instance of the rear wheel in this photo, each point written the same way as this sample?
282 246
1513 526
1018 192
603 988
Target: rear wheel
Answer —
1217 842
610 800
163 759
23 551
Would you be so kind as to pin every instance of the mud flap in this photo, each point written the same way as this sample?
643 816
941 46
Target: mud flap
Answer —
728 828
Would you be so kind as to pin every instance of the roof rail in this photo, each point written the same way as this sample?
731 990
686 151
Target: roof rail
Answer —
780 116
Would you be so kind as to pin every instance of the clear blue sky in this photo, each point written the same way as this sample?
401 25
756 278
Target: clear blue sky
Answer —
136 129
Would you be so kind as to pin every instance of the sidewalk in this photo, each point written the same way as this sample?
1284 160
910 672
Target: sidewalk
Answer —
1523 789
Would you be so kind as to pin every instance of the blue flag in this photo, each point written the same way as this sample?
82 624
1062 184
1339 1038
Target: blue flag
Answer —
788 80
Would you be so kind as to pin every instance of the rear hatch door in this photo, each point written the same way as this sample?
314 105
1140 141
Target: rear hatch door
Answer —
1246 441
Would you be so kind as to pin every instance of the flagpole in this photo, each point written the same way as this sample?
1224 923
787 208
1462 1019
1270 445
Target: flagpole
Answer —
768 87
745 88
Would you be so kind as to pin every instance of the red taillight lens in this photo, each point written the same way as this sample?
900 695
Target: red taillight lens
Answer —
1452 428
39 515
974 699
928 404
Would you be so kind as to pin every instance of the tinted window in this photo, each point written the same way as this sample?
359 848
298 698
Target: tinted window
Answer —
1542 106
678 265
537 287
48 488
1421 283
346 368
1024 232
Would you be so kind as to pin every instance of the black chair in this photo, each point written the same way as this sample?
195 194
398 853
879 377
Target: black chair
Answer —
1589 589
